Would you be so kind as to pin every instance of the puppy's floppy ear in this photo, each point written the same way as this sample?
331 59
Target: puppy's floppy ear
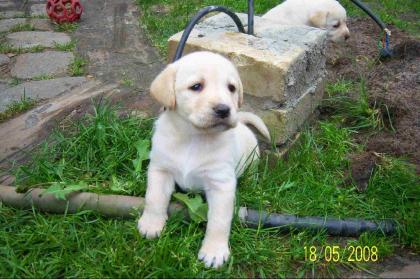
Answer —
318 19
162 88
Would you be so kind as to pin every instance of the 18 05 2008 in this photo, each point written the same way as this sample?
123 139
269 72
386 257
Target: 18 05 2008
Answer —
335 253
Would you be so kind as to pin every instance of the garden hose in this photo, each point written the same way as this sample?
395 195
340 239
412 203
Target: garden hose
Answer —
120 206
385 51
332 226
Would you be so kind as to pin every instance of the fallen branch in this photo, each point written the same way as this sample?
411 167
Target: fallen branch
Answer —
128 207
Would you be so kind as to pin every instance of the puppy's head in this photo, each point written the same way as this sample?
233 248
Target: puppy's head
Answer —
203 88
331 16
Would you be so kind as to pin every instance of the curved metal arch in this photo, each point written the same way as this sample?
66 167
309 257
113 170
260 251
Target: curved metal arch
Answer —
195 20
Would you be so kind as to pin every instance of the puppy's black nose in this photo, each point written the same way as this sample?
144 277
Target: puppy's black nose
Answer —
346 37
221 111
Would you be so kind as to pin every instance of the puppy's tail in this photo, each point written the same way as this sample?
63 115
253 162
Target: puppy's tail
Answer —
254 120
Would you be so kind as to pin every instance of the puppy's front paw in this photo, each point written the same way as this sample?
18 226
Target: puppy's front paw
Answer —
151 225
214 254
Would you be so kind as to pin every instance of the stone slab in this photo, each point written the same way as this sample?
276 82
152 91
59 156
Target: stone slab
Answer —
9 23
409 271
41 24
11 14
4 59
3 86
38 10
279 63
6 4
4 64
285 122
42 89
114 44
31 65
27 39
31 127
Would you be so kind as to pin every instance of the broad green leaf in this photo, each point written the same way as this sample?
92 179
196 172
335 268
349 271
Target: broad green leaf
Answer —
117 185
286 185
60 190
197 209
142 147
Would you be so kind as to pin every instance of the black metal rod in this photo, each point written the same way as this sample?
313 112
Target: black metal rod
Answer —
332 226
195 20
370 13
251 17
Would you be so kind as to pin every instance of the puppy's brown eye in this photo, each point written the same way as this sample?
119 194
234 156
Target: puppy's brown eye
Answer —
196 87
232 88
336 25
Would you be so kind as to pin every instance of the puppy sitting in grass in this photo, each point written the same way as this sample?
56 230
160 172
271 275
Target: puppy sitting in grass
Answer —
201 143
324 14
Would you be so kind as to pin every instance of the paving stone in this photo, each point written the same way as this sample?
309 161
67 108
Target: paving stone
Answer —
11 14
3 86
6 4
111 39
31 65
4 64
42 24
38 10
41 89
9 23
4 59
27 39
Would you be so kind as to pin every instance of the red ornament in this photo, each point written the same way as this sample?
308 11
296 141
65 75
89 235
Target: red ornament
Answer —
64 10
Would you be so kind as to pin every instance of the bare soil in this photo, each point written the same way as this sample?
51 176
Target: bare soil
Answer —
393 86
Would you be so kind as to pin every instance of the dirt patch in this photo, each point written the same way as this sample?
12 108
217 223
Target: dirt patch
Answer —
362 166
393 85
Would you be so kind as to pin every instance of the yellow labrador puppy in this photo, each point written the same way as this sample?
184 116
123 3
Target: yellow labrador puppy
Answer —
200 142
324 14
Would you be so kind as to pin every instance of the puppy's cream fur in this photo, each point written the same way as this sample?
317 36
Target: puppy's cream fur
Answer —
324 14
197 149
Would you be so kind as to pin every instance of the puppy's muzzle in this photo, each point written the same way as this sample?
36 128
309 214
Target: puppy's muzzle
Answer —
221 111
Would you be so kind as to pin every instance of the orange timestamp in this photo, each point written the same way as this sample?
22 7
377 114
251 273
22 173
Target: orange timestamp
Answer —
336 253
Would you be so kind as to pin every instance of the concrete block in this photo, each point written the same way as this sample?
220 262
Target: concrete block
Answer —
279 62
285 121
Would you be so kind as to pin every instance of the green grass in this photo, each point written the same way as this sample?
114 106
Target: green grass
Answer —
43 77
70 46
355 112
66 27
78 67
15 81
99 151
176 14
22 27
127 81
17 107
6 48
160 27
